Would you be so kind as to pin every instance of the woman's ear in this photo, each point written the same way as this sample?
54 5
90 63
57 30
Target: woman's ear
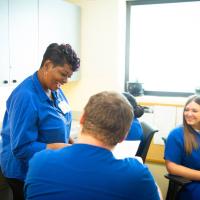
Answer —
48 64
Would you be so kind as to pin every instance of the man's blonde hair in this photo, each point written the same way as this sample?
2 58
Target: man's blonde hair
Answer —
107 117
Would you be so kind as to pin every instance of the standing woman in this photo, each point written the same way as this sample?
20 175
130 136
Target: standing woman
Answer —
37 115
182 150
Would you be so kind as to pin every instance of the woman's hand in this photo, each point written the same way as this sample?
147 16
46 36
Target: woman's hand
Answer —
57 145
183 171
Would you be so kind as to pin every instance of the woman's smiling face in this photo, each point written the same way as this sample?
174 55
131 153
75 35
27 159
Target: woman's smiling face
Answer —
55 76
192 114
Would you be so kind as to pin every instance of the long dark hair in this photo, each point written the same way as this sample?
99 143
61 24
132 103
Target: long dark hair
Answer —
190 141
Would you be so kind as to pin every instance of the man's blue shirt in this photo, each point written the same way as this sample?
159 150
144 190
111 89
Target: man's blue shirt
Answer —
31 121
84 172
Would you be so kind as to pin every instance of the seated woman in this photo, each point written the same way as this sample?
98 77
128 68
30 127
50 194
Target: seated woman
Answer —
182 150
135 132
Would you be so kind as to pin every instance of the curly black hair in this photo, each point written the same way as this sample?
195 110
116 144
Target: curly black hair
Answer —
61 54
138 110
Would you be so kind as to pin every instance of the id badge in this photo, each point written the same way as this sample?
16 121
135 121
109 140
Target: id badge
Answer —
64 107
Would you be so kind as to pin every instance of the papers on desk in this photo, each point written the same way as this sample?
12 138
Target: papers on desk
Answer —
126 149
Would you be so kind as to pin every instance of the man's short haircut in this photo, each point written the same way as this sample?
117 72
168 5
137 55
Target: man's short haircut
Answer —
107 117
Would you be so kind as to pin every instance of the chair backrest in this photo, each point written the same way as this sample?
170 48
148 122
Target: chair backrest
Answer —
176 183
148 133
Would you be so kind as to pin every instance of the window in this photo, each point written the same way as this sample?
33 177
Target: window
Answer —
163 46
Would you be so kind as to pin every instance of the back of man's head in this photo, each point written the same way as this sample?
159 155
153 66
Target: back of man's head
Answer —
107 117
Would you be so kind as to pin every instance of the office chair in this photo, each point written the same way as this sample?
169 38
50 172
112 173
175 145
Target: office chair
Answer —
175 185
148 133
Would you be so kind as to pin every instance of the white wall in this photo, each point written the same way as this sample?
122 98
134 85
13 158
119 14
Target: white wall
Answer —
102 50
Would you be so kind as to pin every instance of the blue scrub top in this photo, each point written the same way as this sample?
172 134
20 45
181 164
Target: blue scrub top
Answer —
135 132
175 152
31 121
0 142
86 172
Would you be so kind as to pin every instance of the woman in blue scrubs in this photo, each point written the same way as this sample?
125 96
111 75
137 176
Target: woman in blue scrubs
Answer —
37 115
182 150
135 132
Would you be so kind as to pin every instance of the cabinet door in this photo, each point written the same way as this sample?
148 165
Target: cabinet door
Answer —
59 22
179 115
165 118
149 116
23 35
4 46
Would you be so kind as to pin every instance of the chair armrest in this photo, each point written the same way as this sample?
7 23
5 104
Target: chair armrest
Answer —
177 179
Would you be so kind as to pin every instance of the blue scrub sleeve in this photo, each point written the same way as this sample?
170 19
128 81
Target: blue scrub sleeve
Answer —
145 179
24 132
174 147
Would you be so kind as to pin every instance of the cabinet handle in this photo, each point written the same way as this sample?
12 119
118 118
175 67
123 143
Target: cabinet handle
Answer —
5 82
14 81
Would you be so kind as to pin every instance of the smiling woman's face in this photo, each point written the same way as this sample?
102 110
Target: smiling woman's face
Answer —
55 76
192 115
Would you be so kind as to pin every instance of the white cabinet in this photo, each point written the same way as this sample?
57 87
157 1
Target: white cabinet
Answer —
149 116
179 115
27 28
164 118
19 39
23 40
4 46
165 121
59 22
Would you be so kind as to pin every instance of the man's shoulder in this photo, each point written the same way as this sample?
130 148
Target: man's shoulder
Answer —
135 167
139 176
24 90
41 157
49 154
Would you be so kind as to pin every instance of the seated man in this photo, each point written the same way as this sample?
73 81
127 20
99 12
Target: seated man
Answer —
88 170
